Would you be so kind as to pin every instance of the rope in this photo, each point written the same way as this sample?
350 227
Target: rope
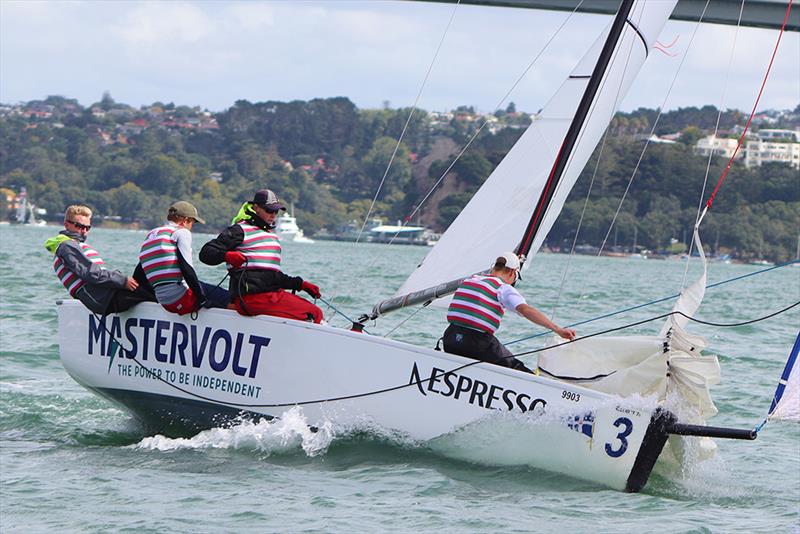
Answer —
408 120
652 130
335 309
591 185
753 112
663 316
419 382
656 301
481 127
714 135
401 323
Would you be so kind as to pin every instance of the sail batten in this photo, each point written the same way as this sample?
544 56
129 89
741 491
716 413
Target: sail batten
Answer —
501 210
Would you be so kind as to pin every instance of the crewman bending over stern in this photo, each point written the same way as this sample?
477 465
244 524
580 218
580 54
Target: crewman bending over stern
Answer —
477 308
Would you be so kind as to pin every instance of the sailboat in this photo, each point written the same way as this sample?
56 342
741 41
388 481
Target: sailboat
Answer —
26 211
178 373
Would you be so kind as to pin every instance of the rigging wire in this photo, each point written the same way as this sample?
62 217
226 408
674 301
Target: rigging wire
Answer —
404 321
714 136
652 131
405 126
664 316
591 185
483 125
419 381
408 120
469 142
656 301
752 113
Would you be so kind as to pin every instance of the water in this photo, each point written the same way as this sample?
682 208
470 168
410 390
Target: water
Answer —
70 461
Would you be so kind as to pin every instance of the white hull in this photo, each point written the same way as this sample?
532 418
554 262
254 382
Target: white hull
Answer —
287 229
228 366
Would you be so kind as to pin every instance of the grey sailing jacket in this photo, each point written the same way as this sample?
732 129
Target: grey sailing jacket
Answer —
101 284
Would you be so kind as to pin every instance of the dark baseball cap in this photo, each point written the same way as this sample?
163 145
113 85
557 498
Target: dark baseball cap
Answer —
268 200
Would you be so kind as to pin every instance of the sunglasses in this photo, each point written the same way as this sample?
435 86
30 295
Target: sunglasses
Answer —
268 209
80 226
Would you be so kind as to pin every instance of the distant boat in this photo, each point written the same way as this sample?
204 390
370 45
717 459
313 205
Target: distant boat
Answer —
403 235
26 212
287 229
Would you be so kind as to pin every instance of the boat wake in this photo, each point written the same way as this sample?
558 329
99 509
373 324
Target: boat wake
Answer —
287 434
479 442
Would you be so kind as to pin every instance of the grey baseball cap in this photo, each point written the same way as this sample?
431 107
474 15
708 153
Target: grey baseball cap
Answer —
186 209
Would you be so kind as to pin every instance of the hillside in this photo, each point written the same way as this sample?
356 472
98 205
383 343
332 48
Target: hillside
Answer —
327 157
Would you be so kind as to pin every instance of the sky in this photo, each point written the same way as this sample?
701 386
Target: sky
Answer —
210 54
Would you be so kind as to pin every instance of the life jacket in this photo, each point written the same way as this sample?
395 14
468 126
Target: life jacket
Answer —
261 248
476 304
71 280
159 257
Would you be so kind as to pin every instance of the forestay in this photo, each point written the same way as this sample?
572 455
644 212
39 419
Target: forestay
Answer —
511 192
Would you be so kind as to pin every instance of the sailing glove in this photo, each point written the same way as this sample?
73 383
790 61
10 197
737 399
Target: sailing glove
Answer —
311 289
235 259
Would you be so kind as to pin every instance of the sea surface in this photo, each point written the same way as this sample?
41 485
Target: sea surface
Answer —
73 462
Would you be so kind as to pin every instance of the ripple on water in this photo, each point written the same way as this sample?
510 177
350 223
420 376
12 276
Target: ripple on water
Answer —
61 445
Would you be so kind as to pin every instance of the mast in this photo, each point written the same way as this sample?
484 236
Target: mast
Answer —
574 130
425 296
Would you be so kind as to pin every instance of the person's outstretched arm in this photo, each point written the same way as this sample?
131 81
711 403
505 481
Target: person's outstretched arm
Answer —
535 316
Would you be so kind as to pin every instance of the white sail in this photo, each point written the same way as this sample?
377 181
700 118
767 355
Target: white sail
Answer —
786 403
511 192
691 296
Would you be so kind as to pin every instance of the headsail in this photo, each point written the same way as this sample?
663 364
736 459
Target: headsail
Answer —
512 191
786 403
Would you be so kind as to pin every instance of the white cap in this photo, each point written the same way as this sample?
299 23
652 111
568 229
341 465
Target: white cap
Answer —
512 260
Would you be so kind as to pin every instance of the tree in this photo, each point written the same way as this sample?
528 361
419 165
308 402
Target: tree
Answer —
165 175
376 162
690 135
127 200
107 102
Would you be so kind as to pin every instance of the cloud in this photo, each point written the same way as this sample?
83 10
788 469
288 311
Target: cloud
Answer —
251 16
164 24
213 53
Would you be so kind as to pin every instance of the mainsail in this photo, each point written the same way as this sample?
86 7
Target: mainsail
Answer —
513 191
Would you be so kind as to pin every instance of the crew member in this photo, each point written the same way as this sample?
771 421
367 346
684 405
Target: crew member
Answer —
252 252
82 271
477 308
166 258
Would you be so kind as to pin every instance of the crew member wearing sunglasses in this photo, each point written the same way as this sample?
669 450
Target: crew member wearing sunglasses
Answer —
82 271
252 251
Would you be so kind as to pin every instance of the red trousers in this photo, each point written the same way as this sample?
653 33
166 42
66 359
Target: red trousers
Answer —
279 304
186 304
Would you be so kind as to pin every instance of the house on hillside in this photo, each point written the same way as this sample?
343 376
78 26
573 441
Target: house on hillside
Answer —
716 146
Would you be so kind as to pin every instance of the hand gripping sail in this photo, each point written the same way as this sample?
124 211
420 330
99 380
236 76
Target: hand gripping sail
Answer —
525 193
